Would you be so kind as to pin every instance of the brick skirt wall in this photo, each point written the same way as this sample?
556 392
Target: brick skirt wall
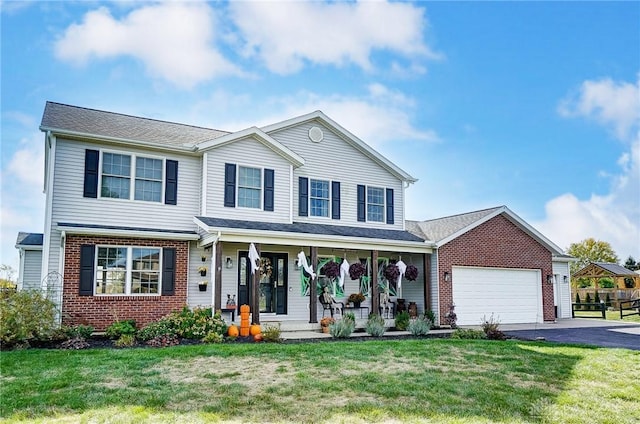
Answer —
101 311
496 243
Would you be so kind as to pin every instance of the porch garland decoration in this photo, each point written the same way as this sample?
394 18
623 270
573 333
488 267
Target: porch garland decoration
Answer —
411 273
357 270
391 272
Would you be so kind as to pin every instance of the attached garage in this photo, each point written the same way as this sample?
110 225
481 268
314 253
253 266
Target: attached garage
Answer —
511 295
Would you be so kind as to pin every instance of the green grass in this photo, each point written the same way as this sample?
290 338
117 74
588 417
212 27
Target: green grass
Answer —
611 315
431 380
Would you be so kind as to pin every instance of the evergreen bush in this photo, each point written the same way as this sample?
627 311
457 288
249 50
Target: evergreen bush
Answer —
596 299
419 326
342 328
578 301
587 300
608 301
402 321
375 325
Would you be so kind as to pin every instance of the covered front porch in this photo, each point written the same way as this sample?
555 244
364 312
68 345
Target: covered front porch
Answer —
290 274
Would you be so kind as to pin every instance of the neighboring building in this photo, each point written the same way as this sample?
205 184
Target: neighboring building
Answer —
135 207
492 262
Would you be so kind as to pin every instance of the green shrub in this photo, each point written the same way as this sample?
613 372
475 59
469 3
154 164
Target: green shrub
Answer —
490 324
121 328
431 316
606 283
213 337
375 325
25 316
125 340
75 343
419 326
157 330
350 315
596 299
578 301
608 300
342 328
468 333
587 299
402 321
196 323
84 331
271 333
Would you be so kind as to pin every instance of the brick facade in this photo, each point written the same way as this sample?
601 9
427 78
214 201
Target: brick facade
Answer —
496 243
101 311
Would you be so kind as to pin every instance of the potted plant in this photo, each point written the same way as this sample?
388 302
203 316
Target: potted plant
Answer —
202 270
202 285
325 322
356 299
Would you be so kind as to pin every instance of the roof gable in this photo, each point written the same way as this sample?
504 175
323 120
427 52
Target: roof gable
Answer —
347 137
444 230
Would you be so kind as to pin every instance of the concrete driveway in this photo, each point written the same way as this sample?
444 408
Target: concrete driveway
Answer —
593 332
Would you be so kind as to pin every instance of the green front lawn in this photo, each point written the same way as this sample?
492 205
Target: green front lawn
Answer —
431 380
611 315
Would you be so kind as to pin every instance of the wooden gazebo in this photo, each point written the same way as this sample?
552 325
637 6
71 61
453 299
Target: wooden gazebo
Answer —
598 270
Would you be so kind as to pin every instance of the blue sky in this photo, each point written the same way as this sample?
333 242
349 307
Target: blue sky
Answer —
532 105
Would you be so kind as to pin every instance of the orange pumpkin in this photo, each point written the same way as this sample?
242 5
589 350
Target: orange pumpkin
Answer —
255 329
245 308
233 331
257 337
244 331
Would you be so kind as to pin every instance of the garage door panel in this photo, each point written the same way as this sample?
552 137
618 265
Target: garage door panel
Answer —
513 296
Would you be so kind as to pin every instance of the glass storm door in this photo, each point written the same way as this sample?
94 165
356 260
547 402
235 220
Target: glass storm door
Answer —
272 282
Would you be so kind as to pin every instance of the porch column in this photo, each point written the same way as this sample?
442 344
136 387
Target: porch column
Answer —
313 292
217 263
375 302
426 260
255 296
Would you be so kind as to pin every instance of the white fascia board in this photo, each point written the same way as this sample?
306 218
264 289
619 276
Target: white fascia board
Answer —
259 135
564 258
118 140
239 235
161 235
28 247
347 136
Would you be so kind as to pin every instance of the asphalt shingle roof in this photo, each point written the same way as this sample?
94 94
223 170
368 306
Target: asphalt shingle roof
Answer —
614 268
58 116
29 239
307 228
441 228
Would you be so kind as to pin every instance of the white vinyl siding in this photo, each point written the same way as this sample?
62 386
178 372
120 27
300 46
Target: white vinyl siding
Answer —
562 289
251 154
31 274
346 164
69 205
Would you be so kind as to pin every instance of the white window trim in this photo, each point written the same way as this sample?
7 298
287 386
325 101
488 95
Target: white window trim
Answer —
128 271
329 185
132 176
384 204
238 166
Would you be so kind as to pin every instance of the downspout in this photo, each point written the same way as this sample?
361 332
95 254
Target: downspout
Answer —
214 247
50 145
405 186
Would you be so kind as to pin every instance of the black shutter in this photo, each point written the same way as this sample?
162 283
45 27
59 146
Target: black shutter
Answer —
230 185
268 190
335 199
362 209
87 259
91 160
389 206
303 196
171 187
168 271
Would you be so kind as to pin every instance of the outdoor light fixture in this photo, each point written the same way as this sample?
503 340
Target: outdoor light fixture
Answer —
566 279
549 279
229 262
447 276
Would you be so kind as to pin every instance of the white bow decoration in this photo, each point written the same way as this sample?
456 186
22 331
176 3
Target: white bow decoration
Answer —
302 262
254 258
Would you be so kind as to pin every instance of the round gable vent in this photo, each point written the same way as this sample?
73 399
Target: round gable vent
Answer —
315 134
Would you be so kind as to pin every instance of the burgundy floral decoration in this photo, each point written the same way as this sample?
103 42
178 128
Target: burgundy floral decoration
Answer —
391 272
357 270
411 273
331 269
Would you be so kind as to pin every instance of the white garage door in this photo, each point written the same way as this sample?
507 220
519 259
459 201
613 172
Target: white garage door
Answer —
512 295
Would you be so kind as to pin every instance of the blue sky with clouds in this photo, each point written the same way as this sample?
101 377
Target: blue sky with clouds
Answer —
532 105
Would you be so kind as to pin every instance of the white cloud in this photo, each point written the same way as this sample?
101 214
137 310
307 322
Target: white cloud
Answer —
380 116
174 40
285 35
614 217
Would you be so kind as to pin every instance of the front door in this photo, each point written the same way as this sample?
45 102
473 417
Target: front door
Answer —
273 282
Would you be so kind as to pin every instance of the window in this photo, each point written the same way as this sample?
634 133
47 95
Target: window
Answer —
319 198
249 187
127 270
148 179
116 177
375 204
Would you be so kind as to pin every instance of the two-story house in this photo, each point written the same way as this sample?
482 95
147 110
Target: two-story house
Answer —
136 208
